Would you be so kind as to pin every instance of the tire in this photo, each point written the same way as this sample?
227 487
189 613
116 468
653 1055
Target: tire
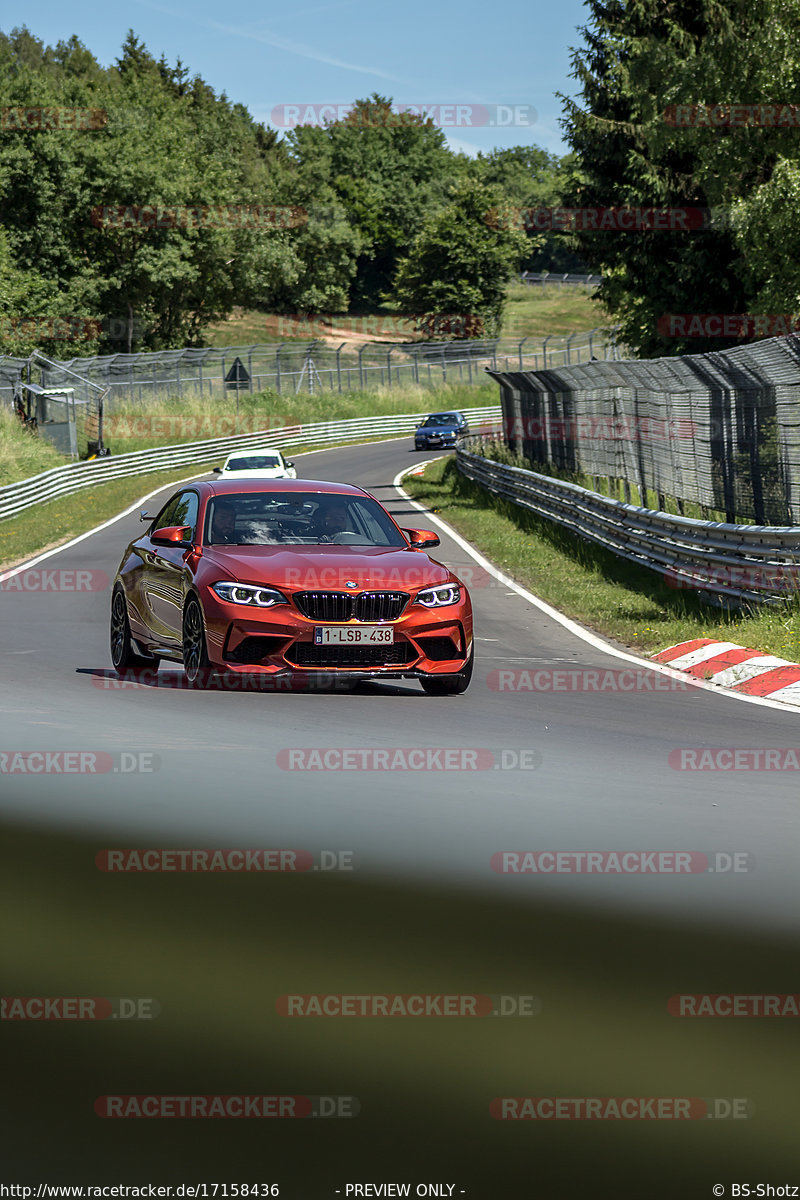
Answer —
450 685
123 656
196 662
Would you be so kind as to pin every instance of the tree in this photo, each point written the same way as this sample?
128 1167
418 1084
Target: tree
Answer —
638 59
533 179
460 263
387 170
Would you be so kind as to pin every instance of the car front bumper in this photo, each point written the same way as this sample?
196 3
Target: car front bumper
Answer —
280 640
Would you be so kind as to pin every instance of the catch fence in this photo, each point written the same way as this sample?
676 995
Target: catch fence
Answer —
309 367
718 430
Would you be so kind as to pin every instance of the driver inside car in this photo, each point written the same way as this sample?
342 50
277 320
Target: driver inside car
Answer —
223 525
334 520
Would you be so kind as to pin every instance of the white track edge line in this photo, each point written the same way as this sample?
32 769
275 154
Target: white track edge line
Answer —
593 639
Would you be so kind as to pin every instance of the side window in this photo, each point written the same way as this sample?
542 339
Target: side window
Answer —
180 510
164 518
186 513
375 533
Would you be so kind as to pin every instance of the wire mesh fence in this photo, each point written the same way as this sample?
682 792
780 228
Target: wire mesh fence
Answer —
310 367
719 430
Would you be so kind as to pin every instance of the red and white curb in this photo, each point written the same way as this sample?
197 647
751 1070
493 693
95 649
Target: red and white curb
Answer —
728 665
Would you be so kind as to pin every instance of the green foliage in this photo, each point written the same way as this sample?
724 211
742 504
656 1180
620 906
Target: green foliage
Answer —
461 261
73 247
387 170
638 59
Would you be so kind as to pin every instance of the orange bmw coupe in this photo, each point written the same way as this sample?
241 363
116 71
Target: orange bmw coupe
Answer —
289 577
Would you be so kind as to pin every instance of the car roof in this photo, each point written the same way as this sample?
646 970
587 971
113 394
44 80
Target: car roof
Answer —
223 487
447 412
254 453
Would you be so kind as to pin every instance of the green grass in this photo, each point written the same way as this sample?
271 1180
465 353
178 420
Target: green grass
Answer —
530 312
173 421
23 454
48 525
543 311
628 604
51 524
170 422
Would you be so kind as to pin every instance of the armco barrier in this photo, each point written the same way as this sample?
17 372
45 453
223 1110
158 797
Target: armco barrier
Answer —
733 563
62 481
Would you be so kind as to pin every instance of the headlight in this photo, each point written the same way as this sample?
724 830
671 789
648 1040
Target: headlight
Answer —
438 597
248 593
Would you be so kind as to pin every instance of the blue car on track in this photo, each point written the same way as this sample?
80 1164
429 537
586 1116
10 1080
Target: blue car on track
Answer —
440 429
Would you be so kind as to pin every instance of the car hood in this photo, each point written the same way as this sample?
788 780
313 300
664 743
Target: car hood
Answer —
328 567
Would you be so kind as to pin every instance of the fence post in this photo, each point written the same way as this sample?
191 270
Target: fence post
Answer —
278 368
544 351
361 367
389 364
339 366
519 348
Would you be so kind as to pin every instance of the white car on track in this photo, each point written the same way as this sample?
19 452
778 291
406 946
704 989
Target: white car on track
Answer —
267 463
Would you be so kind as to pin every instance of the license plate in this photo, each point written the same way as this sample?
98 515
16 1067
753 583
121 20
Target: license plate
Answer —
353 635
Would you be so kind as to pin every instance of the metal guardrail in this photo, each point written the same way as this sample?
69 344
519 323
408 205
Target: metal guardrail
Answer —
541 278
723 562
63 481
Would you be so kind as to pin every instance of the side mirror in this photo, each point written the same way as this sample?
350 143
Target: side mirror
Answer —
288 462
217 471
145 516
420 539
171 535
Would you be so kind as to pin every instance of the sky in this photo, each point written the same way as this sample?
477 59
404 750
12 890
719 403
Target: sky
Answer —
477 64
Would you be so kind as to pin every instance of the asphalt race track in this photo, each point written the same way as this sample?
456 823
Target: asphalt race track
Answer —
422 910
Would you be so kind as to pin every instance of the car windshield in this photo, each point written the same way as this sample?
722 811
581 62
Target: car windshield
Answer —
298 518
443 419
253 462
